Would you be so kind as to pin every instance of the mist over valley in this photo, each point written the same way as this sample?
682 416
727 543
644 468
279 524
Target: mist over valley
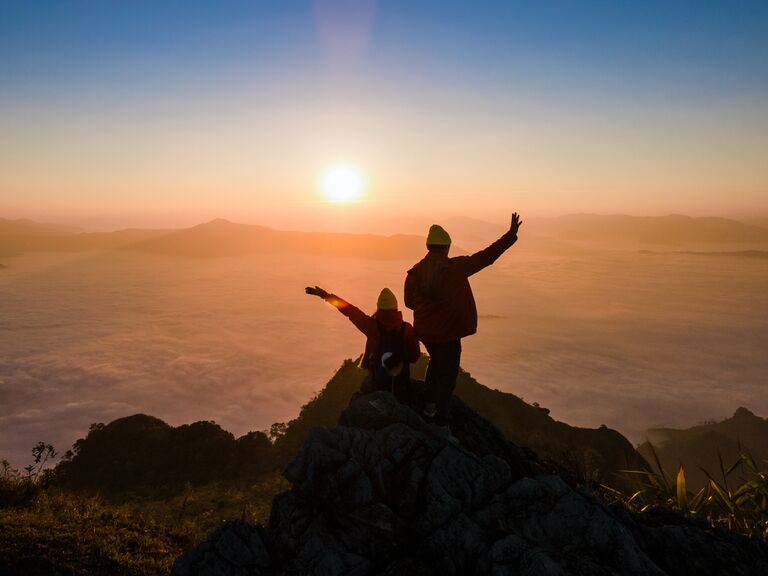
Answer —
184 326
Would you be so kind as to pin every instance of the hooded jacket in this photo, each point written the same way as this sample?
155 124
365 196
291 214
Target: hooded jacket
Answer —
369 325
437 290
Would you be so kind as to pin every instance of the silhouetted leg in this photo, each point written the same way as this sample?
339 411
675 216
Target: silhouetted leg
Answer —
431 379
367 386
443 368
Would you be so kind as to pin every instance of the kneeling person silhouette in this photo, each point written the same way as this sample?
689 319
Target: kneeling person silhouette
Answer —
390 348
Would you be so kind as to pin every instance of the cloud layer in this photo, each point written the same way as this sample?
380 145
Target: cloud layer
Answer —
630 341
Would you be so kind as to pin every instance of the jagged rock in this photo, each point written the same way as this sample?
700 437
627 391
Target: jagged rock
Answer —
386 494
585 455
234 549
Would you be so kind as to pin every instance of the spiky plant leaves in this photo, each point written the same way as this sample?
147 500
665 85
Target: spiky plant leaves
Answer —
682 493
660 468
701 498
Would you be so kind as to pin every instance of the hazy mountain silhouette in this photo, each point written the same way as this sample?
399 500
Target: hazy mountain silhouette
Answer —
17 236
762 222
670 230
698 447
25 227
18 240
718 253
223 238
211 239
603 229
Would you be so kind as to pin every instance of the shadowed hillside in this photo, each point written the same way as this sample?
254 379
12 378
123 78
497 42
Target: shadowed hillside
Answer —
371 485
144 454
592 454
698 447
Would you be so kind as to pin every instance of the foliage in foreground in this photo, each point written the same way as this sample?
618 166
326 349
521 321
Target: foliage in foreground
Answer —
47 531
60 533
742 509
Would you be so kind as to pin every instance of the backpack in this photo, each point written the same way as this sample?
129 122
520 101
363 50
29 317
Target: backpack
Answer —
391 369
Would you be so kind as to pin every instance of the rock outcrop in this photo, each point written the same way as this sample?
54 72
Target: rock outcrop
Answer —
384 493
591 454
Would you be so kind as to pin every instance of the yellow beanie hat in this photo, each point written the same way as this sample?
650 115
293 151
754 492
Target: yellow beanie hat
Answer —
387 300
438 236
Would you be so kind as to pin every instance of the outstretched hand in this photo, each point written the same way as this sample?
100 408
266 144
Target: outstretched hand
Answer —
515 224
316 291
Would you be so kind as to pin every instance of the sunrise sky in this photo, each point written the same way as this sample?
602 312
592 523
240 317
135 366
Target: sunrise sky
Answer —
169 113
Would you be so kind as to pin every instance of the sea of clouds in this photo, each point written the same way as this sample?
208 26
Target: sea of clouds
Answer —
623 339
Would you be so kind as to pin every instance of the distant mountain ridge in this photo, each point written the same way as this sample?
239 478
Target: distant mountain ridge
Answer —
674 229
216 238
26 227
221 237
698 447
762 222
12 244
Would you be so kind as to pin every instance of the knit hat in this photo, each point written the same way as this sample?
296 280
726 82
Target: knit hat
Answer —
387 300
438 236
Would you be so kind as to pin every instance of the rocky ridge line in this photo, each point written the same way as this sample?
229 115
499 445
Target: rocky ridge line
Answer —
383 494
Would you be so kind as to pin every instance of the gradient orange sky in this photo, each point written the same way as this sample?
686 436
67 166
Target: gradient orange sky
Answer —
135 116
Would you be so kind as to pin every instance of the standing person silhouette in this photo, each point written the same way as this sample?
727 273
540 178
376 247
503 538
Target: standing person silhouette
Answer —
437 290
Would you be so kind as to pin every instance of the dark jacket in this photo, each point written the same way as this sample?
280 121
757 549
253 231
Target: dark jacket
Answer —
437 290
369 325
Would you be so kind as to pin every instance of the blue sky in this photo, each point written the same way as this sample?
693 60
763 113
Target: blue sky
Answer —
703 40
609 73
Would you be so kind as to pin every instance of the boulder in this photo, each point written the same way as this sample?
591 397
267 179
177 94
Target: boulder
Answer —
236 548
384 493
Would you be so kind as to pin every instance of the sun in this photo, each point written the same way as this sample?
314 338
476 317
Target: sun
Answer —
342 184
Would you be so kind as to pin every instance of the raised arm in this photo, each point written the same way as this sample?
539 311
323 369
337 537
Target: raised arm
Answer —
472 264
360 319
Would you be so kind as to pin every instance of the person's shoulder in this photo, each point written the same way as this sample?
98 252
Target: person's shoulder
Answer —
418 265
456 262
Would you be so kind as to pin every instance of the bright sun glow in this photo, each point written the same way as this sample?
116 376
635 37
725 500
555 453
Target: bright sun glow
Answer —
342 184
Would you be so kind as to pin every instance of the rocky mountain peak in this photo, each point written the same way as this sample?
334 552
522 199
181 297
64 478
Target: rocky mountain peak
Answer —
384 493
